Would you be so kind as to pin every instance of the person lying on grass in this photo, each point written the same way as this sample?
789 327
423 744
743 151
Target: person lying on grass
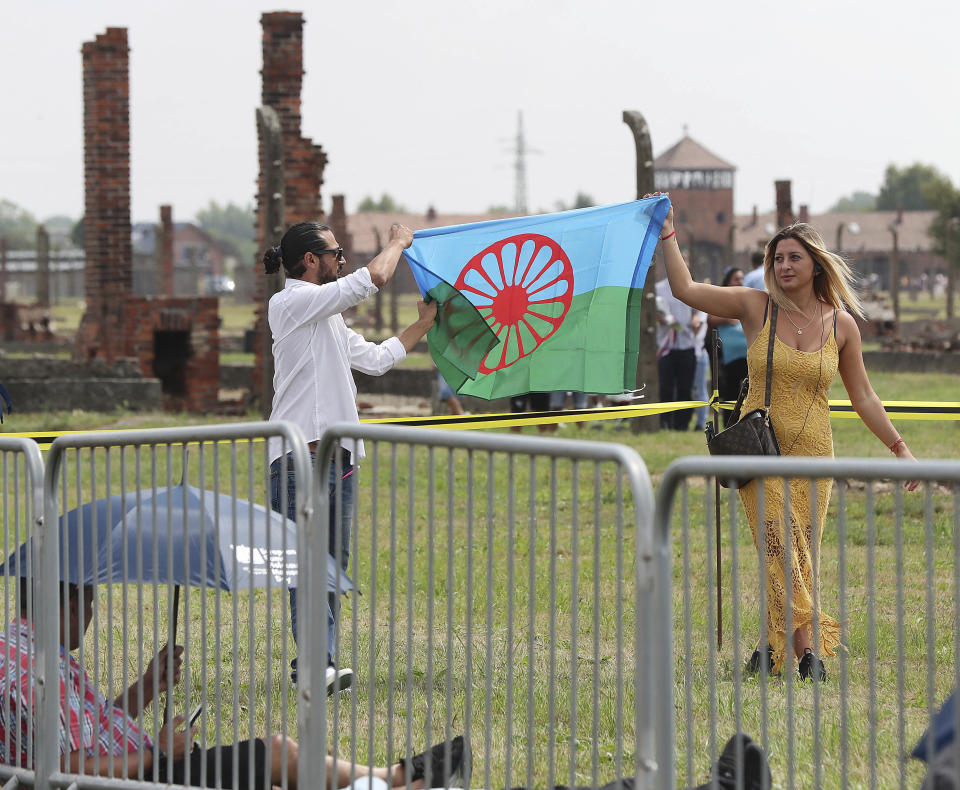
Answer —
100 737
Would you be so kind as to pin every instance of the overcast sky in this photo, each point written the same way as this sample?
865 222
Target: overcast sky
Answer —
420 98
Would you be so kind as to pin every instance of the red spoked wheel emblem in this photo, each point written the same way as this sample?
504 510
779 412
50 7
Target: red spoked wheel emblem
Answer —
522 286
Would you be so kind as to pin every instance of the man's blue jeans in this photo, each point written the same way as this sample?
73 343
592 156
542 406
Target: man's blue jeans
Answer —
342 509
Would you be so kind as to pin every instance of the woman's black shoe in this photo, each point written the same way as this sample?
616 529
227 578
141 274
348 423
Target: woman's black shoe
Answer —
753 665
445 765
811 667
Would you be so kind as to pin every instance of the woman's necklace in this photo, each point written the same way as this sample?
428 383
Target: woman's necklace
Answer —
799 328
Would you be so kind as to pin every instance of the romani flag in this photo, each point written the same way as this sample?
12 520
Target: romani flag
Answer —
542 303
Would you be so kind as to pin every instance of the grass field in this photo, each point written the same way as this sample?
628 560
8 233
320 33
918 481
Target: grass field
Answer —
487 678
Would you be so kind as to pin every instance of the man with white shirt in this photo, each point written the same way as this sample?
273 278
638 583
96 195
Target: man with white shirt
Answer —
314 353
677 333
754 278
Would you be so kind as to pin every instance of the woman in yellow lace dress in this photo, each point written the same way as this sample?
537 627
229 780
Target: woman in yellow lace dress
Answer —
816 337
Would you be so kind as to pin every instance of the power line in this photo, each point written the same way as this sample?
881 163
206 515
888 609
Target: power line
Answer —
520 169
520 151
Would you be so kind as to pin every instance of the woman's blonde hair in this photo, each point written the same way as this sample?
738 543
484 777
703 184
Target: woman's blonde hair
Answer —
833 283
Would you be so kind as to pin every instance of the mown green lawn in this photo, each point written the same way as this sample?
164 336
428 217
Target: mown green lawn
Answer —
541 572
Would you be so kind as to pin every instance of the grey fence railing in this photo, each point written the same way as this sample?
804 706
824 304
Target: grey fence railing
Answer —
142 515
889 574
501 587
21 467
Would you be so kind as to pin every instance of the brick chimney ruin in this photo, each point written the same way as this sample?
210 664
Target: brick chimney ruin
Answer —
303 160
165 250
338 224
784 203
175 340
106 174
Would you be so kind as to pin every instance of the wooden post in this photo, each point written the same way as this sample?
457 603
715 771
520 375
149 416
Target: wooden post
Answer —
952 254
394 319
269 124
378 296
43 267
3 268
731 252
647 375
895 270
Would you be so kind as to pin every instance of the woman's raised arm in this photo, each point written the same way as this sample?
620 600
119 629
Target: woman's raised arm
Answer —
728 302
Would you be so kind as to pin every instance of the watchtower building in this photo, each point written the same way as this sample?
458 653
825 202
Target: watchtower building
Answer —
700 184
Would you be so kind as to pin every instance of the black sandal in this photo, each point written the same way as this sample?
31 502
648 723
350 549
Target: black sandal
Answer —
811 667
753 665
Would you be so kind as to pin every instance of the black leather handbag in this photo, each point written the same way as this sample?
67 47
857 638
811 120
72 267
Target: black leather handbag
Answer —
753 433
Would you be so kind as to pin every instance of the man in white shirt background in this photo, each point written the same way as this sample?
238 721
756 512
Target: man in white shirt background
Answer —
677 333
314 353
754 278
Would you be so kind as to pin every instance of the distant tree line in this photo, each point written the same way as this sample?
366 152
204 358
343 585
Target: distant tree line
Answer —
385 204
917 187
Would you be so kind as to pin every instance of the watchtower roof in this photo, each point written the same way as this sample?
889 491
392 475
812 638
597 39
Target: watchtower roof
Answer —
688 154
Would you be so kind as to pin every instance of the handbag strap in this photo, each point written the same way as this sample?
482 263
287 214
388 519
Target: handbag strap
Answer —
770 339
741 395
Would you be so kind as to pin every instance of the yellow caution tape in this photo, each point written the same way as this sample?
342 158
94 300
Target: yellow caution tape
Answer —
510 419
841 409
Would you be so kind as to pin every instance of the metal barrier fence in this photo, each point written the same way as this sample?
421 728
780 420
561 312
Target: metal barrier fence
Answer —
21 468
889 572
143 514
502 584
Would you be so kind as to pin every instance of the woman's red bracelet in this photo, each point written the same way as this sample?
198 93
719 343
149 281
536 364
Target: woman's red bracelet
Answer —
893 447
672 233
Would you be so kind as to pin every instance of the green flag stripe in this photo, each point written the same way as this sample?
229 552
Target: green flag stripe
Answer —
594 350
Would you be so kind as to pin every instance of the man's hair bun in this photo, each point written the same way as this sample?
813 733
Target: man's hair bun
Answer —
272 260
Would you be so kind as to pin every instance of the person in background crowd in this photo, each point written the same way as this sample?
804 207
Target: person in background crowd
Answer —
754 278
677 330
732 359
532 401
700 375
446 395
578 400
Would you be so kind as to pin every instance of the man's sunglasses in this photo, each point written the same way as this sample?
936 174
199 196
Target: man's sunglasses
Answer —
338 251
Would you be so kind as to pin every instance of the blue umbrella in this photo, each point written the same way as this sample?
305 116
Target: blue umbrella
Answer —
148 536
145 528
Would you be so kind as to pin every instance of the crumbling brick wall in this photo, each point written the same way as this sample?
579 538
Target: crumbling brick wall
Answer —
198 318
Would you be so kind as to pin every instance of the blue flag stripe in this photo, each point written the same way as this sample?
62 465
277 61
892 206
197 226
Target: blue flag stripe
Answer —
606 245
